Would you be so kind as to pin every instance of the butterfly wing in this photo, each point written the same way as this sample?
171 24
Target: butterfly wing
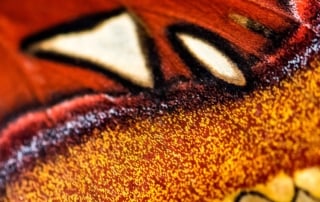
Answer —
254 44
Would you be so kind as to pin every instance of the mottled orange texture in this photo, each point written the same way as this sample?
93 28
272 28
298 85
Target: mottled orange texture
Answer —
200 155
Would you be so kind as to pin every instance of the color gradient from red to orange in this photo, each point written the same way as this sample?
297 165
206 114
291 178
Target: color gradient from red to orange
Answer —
204 154
39 82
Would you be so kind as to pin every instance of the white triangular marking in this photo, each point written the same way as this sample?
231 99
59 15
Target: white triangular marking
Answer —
214 60
113 44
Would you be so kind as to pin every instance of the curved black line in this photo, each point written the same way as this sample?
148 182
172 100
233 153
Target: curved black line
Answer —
89 22
86 22
254 193
54 99
149 48
222 44
297 190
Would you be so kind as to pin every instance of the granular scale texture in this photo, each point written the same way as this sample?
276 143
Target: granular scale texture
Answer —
204 154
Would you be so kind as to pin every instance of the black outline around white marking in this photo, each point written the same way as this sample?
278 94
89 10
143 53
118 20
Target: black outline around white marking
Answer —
87 23
220 43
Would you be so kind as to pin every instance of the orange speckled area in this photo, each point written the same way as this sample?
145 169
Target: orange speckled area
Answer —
200 155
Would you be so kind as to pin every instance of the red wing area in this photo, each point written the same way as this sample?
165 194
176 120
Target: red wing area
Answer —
39 82
215 17
262 33
273 38
31 82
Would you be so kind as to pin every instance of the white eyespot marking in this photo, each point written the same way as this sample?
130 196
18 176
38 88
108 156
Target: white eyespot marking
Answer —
215 61
113 44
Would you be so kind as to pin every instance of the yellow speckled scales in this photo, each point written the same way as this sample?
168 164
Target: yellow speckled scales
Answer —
167 158
107 100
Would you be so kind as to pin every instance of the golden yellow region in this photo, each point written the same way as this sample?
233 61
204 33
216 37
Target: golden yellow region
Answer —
200 155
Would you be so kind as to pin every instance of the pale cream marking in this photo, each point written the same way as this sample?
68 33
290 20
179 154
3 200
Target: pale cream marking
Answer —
253 198
113 44
303 197
281 188
309 180
214 60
